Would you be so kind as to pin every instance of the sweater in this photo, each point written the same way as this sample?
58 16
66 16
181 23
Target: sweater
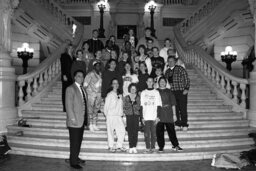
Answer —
131 108
107 77
165 113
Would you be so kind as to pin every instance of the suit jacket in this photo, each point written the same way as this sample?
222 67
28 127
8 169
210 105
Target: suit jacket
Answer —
66 63
75 106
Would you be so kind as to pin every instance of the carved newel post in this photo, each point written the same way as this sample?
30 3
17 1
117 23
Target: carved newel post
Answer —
8 111
252 81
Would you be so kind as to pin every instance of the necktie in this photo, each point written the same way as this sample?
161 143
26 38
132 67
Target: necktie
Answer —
83 95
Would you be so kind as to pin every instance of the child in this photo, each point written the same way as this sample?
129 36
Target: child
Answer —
167 116
150 102
113 110
122 62
98 57
132 112
128 78
159 74
136 60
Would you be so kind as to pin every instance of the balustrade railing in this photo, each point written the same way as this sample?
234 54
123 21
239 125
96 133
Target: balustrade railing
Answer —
73 1
234 88
198 15
178 2
31 84
56 10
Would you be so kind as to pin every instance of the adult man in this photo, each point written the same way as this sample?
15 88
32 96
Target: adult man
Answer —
92 83
143 40
76 106
94 43
66 61
179 83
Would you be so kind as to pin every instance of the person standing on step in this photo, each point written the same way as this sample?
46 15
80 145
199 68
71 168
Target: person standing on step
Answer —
66 61
150 103
167 116
92 84
113 111
179 82
76 106
94 43
132 112
143 40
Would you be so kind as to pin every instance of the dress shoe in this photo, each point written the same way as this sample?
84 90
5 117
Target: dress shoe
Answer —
80 161
77 166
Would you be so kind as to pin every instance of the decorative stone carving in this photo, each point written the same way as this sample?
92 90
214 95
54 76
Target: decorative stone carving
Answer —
6 11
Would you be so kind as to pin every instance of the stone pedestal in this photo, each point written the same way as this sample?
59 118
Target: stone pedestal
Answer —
8 111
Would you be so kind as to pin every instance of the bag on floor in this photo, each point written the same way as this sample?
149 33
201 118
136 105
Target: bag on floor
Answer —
229 161
4 147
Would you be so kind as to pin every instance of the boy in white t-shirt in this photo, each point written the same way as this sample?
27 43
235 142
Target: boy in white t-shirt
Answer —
150 102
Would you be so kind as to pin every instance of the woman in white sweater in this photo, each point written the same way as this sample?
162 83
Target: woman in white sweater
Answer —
113 110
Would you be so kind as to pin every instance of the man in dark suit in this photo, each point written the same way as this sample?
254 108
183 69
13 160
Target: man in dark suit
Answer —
66 61
76 106
94 43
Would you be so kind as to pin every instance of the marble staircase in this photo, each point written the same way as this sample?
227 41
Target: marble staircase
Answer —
214 128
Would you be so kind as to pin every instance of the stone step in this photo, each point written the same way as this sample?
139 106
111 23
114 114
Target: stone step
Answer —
190 109
94 143
191 133
207 113
190 102
36 115
192 124
105 155
190 106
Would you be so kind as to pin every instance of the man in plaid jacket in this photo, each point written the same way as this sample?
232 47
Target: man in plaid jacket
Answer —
179 82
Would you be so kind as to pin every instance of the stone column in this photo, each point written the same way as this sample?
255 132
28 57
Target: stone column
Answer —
8 111
252 81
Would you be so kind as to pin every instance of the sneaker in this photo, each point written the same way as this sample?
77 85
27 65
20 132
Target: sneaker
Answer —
185 128
135 150
147 151
153 150
177 128
161 150
130 150
111 149
122 149
178 148
95 128
91 128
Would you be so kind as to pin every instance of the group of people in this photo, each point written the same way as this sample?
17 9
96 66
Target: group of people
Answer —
138 81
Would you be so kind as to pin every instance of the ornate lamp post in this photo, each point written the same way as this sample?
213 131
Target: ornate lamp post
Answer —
25 53
228 56
152 7
101 6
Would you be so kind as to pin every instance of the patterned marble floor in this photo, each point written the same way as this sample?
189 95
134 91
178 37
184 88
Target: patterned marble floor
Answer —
24 163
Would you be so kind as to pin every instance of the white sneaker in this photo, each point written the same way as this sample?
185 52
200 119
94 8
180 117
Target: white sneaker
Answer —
130 150
134 150
91 128
95 128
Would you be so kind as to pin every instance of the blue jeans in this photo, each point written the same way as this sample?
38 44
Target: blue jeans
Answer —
150 134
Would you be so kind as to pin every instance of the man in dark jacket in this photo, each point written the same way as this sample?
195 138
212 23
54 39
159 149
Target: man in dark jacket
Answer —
94 43
66 61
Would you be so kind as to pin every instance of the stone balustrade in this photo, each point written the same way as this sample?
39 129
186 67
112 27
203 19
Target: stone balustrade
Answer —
32 84
29 85
177 2
202 12
55 9
73 1
233 88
